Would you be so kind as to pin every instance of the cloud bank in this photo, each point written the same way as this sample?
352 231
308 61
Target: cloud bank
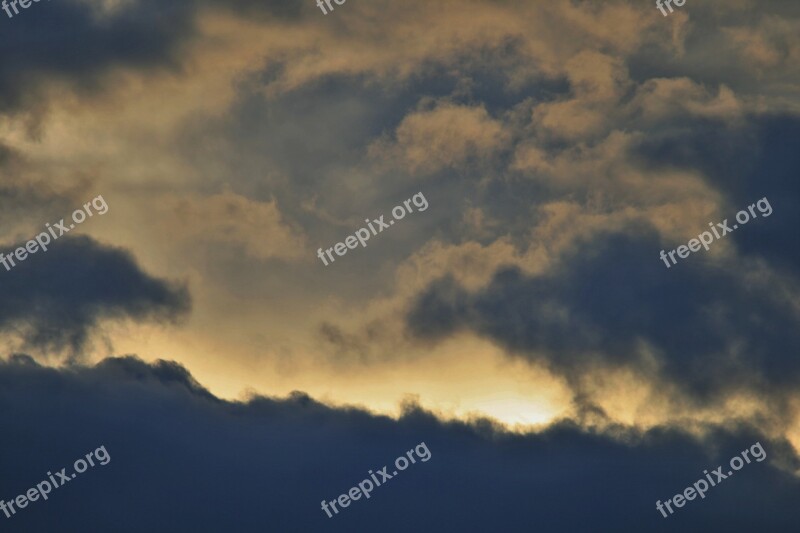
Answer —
182 460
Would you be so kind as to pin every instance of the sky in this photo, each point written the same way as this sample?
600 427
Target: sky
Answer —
543 314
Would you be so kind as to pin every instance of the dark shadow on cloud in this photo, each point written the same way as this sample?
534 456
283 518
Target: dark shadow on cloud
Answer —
773 175
745 164
65 40
711 55
55 299
612 294
184 461
68 40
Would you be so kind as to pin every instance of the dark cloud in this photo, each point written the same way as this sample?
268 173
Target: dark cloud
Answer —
54 299
613 293
71 41
710 55
184 461
745 164
65 40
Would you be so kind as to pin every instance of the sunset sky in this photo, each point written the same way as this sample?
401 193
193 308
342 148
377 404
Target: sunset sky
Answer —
523 325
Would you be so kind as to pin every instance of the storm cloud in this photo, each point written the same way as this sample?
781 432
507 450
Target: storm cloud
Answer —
523 327
612 295
184 461
55 299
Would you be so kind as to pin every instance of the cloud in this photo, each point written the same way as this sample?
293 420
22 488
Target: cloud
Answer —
186 461
598 82
448 135
607 302
746 163
97 39
629 132
229 218
669 98
28 192
55 299
136 36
